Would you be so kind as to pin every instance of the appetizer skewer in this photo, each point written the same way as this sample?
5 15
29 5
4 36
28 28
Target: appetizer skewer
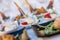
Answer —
50 4
27 19
25 33
30 7
38 10
21 11
2 15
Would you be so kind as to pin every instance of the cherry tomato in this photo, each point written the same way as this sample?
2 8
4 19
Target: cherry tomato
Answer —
24 23
47 15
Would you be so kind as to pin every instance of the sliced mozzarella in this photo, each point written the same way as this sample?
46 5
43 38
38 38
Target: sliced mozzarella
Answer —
29 20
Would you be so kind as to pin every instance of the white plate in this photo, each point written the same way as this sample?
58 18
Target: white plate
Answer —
19 28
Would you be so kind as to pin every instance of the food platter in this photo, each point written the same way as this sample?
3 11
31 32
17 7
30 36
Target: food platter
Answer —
40 33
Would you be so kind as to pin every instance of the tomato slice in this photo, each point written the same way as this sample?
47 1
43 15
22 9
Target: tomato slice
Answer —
47 15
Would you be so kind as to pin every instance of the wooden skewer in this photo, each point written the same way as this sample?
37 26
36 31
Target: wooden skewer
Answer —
3 16
20 10
50 4
31 9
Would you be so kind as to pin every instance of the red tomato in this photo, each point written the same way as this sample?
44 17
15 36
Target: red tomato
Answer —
47 15
24 23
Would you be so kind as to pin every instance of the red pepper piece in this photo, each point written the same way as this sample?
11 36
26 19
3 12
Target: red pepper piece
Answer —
47 15
24 23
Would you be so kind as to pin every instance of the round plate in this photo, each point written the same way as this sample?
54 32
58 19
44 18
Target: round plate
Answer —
19 28
18 31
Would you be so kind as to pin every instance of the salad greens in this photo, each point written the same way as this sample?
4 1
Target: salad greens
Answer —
38 17
49 29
